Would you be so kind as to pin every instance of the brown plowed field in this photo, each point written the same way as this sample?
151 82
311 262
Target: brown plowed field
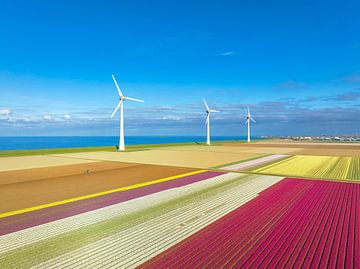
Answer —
26 188
297 145
329 152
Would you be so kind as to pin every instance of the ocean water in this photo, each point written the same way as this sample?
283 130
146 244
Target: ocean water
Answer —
45 142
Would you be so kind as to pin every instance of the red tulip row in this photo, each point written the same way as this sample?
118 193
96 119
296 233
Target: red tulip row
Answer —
295 223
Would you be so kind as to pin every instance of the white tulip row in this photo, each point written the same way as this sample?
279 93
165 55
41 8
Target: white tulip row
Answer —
132 247
41 232
256 162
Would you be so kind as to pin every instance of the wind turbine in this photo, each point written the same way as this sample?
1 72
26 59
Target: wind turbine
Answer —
122 99
249 119
207 123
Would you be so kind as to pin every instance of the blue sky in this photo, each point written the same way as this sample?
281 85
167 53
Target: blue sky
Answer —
295 63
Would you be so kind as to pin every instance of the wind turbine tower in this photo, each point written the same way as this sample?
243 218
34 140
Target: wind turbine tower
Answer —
207 122
248 121
122 99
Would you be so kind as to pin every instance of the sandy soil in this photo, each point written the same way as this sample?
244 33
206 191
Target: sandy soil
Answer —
26 162
198 159
36 186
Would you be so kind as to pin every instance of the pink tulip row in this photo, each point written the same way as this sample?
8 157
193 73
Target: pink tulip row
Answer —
295 223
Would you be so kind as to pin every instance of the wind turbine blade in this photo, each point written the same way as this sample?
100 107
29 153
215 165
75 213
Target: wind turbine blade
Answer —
207 107
117 86
133 99
247 121
117 108
253 119
211 110
207 119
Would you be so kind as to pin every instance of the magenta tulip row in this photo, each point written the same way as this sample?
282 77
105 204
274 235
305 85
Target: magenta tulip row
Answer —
295 223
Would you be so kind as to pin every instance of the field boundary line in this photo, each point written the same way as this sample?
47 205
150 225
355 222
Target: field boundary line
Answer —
84 197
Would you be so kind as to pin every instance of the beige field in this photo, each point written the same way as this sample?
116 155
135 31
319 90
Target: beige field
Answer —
181 158
39 161
237 149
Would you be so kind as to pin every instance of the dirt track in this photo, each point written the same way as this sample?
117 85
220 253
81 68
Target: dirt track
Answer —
31 187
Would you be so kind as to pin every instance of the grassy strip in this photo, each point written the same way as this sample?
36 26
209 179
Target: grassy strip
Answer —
36 253
13 153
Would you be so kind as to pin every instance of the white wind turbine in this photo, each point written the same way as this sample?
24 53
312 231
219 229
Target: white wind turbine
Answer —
248 120
122 99
207 123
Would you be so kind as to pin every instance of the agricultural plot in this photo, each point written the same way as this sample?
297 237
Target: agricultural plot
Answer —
33 187
193 159
330 152
293 224
342 168
33 218
127 234
354 170
231 149
306 148
28 162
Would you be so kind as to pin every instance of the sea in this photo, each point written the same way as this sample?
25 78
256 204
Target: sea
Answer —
46 142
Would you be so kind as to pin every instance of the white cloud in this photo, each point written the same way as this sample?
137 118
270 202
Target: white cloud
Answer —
228 53
173 118
5 112
67 117
47 117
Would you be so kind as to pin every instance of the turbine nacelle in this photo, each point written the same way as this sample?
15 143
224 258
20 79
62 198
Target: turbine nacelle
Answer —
248 117
122 98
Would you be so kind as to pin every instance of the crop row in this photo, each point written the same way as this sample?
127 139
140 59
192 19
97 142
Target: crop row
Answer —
354 171
39 217
133 246
30 247
131 201
294 224
343 168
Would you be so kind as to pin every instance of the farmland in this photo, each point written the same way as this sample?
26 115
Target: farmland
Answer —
189 208
182 206
293 224
36 186
326 167
172 157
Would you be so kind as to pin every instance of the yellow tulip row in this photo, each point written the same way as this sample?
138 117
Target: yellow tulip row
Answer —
326 167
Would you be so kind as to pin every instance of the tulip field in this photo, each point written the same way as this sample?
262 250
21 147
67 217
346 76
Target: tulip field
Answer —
133 230
293 224
326 167
253 205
